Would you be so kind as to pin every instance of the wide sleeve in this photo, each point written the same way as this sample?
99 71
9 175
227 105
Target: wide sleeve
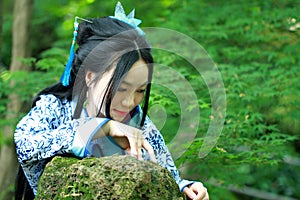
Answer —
48 130
162 154
41 133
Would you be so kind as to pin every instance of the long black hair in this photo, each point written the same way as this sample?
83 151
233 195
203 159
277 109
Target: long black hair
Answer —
103 43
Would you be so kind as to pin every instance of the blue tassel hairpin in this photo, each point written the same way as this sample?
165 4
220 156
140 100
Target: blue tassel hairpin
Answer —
120 15
129 19
65 78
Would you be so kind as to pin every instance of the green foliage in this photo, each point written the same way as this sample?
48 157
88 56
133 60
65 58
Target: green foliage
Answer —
255 46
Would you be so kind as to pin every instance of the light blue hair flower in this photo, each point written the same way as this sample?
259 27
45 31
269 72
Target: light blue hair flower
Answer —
129 19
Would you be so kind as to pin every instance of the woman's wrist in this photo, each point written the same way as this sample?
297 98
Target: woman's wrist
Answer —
104 131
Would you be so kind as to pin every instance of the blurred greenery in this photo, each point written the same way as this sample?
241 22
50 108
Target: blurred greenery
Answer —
255 45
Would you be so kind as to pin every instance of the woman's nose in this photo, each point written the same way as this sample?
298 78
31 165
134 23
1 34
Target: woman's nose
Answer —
128 101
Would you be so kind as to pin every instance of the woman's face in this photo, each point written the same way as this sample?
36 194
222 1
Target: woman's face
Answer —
130 92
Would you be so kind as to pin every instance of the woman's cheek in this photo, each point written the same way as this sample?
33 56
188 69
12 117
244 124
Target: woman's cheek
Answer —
139 99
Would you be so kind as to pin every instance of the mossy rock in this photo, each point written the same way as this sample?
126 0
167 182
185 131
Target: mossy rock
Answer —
113 177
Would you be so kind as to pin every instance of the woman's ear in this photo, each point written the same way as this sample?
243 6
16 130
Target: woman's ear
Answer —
89 77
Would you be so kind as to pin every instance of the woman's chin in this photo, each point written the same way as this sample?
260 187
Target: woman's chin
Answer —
118 118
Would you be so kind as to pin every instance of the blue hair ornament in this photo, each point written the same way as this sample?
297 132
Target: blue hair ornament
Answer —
65 78
120 15
129 19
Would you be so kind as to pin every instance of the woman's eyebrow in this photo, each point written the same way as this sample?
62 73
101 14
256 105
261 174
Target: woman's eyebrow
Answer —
130 84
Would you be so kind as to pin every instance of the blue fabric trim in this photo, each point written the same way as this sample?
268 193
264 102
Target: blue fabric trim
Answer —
92 135
184 183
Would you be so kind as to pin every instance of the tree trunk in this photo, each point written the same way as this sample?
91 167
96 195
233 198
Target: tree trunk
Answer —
8 161
1 17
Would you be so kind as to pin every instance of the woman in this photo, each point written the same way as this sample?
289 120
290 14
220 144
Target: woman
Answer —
104 93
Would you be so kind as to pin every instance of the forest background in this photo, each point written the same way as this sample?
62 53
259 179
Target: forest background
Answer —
254 44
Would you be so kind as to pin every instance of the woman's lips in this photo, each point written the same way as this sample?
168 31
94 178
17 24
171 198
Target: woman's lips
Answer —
120 113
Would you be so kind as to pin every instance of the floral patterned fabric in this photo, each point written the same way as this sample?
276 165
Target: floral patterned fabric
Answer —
49 129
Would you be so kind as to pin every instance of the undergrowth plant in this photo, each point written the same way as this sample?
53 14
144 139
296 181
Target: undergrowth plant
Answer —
255 46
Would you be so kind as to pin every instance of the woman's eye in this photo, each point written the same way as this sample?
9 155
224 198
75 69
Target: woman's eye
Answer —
141 91
121 90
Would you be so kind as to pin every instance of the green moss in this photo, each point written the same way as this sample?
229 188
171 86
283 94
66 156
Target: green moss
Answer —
114 177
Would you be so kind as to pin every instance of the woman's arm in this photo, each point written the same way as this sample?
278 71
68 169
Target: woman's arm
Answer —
129 138
163 156
49 130
44 131
193 189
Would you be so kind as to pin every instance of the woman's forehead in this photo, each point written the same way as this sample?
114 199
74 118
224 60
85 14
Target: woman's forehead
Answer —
138 74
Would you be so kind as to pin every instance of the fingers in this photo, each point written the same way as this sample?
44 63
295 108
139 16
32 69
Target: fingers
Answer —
139 139
189 193
196 191
150 150
200 190
206 196
131 139
137 143
135 146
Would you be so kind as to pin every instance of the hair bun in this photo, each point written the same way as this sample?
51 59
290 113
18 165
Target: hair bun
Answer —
85 31
101 28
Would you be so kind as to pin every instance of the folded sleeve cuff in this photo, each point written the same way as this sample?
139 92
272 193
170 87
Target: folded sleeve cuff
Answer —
85 135
183 183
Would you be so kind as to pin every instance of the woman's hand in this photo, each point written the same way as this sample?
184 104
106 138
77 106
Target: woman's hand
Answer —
196 191
129 138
